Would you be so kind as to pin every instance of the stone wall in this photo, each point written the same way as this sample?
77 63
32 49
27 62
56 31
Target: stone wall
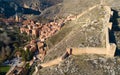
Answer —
109 49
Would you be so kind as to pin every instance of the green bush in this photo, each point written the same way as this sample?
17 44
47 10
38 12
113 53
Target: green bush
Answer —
4 69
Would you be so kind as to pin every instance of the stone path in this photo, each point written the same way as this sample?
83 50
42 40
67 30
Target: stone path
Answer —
51 63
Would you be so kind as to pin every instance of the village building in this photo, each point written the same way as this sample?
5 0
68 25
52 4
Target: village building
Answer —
18 54
30 47
35 32
40 45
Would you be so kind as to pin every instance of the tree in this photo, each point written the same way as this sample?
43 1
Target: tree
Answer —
27 55
16 46
8 50
3 53
4 37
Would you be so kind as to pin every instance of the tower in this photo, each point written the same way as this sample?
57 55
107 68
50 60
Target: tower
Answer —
16 18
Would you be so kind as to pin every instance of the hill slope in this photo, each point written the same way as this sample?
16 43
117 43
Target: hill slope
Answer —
85 31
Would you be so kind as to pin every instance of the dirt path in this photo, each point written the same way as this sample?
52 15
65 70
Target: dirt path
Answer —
51 63
86 11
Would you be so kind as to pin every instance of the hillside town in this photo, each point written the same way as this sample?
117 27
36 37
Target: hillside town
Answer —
38 33
42 31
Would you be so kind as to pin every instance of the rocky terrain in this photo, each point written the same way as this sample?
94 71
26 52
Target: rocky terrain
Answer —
37 4
26 8
84 65
10 9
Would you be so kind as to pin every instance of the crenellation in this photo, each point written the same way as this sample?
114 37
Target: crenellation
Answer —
110 25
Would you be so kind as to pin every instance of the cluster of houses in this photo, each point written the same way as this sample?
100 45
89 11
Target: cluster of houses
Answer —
49 29
36 45
30 28
41 31
8 21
